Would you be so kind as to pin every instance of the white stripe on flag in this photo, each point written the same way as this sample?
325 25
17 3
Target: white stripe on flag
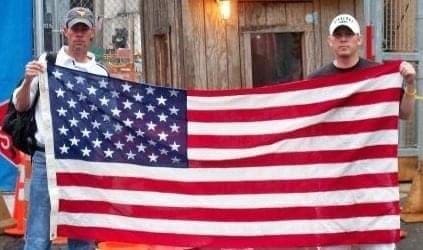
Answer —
286 172
316 143
299 97
227 228
277 200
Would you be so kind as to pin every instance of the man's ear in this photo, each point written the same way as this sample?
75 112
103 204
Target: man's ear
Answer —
360 40
92 33
65 31
329 40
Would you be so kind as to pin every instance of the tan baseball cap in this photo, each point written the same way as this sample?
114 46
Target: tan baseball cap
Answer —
79 15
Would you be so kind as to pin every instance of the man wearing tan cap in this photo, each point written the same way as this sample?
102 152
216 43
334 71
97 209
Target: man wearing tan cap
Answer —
79 31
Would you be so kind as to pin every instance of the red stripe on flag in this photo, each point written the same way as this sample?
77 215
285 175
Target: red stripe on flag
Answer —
228 187
102 234
296 158
208 214
293 111
328 128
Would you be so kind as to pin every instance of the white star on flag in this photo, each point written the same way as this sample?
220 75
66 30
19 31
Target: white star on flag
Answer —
62 111
60 93
57 74
79 79
64 149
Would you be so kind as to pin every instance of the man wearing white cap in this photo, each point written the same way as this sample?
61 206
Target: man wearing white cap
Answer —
344 40
79 31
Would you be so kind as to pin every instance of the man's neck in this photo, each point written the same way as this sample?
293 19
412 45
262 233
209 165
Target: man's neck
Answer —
346 62
80 57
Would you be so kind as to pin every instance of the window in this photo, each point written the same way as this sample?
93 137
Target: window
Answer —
276 57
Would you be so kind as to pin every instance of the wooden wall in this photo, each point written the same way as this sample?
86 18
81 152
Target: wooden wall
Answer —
206 52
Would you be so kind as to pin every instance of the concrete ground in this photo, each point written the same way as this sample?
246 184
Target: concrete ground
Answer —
17 243
413 241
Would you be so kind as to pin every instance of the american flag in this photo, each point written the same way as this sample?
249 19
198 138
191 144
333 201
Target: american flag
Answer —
306 163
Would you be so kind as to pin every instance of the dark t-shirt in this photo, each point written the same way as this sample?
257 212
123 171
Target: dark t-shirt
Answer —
331 69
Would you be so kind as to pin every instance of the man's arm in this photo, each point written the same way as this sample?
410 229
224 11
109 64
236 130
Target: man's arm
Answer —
22 98
408 99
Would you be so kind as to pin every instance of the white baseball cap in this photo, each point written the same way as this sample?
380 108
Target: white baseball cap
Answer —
344 20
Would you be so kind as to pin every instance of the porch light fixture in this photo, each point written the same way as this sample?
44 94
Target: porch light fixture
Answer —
224 8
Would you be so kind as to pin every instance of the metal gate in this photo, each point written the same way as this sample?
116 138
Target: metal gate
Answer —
397 37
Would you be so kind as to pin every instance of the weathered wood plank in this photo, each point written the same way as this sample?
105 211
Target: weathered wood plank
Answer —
176 47
161 36
142 42
347 7
161 19
248 65
241 23
233 49
150 56
254 14
276 14
359 15
329 9
318 41
216 54
241 14
194 44
295 15
309 50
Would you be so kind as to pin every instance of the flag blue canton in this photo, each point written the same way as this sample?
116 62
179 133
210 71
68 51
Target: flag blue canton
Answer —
98 118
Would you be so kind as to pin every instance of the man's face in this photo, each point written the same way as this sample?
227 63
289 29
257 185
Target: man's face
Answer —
79 37
344 42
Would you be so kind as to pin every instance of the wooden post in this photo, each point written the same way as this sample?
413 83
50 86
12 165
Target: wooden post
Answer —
413 208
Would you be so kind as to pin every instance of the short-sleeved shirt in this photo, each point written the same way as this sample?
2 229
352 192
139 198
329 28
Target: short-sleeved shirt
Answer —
331 69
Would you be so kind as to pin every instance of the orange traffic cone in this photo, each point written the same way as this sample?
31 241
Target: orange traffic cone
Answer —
19 211
112 245
60 241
